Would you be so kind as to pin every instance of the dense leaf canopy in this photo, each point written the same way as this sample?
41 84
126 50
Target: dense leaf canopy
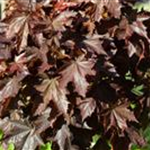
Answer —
73 70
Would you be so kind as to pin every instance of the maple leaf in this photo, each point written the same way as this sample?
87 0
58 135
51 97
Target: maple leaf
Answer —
3 67
139 28
50 90
135 136
120 114
131 49
19 26
63 138
39 53
86 106
85 43
19 66
94 44
10 89
22 134
62 5
15 6
76 72
23 20
19 63
112 7
64 18
124 30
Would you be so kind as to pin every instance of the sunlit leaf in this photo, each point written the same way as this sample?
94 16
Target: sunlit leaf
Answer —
63 138
19 25
69 69
94 45
47 146
143 5
10 89
110 6
11 146
1 134
95 138
76 72
51 90
64 18
86 107
120 115
128 76
1 147
138 90
133 106
22 135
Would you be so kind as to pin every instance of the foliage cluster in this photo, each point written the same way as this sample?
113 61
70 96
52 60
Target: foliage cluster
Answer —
75 73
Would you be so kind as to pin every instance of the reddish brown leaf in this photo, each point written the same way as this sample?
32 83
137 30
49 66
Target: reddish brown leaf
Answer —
124 30
19 63
35 53
80 60
131 49
76 73
10 89
120 115
87 107
62 5
22 134
50 90
3 67
113 7
139 28
64 18
94 45
19 26
63 138
135 136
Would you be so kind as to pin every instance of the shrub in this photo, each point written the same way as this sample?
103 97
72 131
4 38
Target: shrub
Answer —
75 73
